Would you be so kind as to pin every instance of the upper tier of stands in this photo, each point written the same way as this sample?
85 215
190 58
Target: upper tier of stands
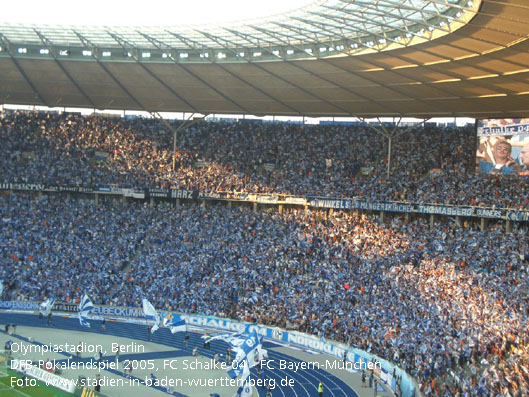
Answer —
251 157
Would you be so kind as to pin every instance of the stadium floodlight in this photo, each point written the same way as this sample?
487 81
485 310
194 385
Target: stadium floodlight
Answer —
129 55
290 52
185 55
323 49
221 55
275 52
44 51
106 53
22 50
257 54
241 54
308 51
87 53
408 35
204 55
145 54
64 53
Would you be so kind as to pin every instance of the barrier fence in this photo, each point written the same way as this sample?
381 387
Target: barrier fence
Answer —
508 214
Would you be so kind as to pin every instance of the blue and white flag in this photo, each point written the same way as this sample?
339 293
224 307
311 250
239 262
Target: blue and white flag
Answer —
46 306
140 292
249 345
175 326
250 351
150 314
258 355
1 288
85 307
245 390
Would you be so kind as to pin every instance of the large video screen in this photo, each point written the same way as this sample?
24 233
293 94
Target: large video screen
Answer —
503 146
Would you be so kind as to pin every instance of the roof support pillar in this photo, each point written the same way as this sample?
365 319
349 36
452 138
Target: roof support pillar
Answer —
187 123
390 135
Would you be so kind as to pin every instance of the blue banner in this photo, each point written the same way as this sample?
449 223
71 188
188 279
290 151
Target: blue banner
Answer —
22 186
330 203
19 305
521 216
445 210
381 206
131 312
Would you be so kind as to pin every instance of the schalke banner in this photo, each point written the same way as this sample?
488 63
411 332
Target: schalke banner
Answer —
502 127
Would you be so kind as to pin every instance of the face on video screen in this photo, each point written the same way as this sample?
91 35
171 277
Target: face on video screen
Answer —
503 147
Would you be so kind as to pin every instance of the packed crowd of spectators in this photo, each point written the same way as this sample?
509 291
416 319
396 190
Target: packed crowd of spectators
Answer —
448 304
322 160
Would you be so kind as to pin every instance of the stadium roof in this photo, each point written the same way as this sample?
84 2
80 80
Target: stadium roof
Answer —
421 58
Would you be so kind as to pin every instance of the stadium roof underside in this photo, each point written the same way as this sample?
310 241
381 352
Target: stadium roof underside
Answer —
342 58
